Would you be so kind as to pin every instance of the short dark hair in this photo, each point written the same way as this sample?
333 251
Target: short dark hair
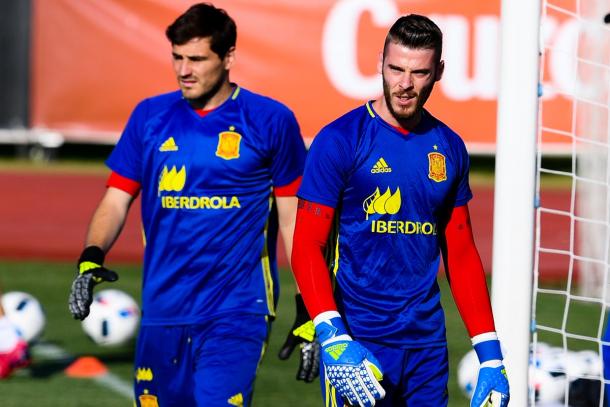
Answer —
417 32
204 20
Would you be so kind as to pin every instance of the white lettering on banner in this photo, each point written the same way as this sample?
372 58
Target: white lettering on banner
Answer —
339 45
461 81
457 84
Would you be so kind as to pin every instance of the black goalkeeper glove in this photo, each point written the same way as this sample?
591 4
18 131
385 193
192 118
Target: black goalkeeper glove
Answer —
90 273
303 333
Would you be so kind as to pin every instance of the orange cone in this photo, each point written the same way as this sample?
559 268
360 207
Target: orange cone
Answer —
86 367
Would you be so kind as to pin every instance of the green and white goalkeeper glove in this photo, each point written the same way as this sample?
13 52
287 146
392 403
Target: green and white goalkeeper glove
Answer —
90 273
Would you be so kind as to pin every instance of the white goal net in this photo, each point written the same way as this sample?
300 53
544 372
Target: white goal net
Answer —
572 222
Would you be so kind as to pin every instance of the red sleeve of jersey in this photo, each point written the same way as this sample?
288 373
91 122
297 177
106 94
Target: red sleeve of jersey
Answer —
466 275
125 184
311 231
288 190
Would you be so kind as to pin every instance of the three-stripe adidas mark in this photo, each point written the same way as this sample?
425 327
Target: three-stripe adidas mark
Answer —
169 145
381 166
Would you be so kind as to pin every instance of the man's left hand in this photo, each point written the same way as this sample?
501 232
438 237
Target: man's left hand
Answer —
492 388
492 384
302 333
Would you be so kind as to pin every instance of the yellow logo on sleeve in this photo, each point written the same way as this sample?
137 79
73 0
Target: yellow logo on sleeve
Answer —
228 144
172 180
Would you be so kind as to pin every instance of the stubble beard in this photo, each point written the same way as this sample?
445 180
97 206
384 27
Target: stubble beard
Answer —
399 116
199 102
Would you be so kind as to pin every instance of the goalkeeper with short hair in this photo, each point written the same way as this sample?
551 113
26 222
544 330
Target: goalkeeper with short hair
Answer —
217 168
396 180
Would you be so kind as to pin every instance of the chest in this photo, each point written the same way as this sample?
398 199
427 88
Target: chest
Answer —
215 152
404 177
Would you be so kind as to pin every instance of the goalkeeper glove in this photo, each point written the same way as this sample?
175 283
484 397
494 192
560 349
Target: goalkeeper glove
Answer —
303 333
492 384
90 273
348 366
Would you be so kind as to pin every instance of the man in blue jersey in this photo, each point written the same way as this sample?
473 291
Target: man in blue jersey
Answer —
395 178
211 162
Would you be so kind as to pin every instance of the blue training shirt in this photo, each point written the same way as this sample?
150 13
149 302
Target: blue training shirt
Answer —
207 202
392 192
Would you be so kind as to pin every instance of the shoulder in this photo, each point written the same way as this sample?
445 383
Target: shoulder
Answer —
347 129
444 131
158 104
261 106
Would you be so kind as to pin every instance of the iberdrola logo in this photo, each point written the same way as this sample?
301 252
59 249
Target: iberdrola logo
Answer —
386 203
172 180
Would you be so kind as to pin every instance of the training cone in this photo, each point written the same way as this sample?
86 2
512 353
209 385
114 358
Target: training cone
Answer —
85 367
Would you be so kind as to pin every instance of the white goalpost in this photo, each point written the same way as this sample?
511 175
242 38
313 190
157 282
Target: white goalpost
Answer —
551 248
514 187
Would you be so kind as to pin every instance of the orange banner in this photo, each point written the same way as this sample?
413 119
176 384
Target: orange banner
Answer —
94 60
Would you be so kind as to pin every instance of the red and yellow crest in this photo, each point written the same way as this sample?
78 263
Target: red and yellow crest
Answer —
437 170
148 400
228 144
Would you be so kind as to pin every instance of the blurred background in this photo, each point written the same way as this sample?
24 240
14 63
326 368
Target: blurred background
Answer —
72 71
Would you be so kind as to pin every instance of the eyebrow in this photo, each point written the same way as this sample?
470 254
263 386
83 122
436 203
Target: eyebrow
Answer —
191 57
401 69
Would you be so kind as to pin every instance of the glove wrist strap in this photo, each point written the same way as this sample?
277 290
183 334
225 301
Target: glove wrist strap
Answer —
487 350
330 328
93 255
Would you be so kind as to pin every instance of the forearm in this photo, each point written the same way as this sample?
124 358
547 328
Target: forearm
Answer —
466 274
108 219
308 265
469 290
287 209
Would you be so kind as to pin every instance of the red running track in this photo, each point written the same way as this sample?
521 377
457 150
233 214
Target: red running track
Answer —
45 216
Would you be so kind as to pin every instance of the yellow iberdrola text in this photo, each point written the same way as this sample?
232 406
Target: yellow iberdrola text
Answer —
404 227
199 202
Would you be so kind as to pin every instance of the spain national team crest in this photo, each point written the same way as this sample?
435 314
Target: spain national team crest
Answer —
228 144
437 169
148 400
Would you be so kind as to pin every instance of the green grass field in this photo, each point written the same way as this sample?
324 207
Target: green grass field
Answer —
45 384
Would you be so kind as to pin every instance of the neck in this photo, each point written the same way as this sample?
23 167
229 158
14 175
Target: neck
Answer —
386 114
214 98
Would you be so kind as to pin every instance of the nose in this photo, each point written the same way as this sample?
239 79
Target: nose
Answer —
184 68
405 82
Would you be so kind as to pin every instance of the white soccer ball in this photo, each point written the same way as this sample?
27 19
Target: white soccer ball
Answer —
468 372
548 387
25 312
113 319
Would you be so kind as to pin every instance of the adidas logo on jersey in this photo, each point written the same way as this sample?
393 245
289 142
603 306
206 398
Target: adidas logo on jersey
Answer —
381 166
169 145
236 400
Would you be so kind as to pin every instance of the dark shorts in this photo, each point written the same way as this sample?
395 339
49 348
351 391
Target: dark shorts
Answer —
411 377
200 365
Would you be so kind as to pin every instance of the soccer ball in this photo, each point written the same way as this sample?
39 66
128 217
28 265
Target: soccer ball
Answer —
113 318
468 373
25 312
547 374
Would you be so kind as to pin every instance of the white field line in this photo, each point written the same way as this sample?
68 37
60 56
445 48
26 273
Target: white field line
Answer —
107 380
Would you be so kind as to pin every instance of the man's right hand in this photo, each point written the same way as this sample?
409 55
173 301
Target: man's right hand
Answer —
90 273
348 366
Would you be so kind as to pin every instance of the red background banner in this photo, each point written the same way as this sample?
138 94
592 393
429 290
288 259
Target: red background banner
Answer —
94 60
